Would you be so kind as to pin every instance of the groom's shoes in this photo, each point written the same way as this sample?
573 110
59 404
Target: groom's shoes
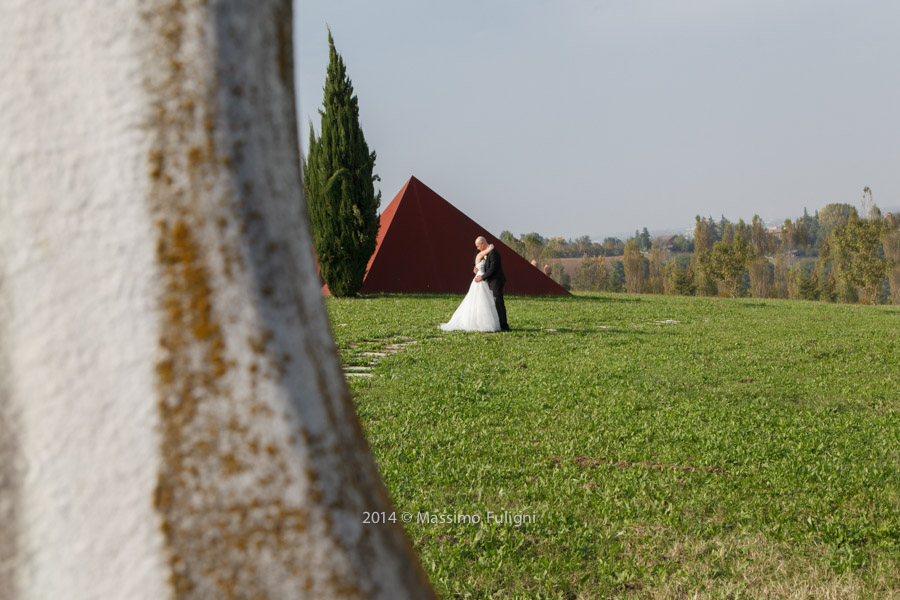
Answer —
504 328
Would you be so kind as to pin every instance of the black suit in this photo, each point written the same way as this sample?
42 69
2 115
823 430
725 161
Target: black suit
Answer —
493 274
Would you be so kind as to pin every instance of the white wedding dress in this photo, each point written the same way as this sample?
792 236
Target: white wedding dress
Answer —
477 311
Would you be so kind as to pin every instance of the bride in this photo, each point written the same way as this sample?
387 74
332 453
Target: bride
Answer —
477 311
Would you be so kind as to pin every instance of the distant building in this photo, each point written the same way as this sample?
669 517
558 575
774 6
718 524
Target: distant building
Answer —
666 241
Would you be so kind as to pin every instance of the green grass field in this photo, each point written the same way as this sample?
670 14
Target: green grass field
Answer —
658 447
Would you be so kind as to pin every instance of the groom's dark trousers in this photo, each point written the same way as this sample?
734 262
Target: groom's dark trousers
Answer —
493 274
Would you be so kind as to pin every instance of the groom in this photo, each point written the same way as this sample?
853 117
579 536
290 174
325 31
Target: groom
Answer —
493 274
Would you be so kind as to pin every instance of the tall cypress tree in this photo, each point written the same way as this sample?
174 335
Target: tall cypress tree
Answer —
340 189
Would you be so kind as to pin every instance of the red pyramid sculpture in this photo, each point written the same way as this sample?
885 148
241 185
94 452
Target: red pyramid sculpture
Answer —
426 245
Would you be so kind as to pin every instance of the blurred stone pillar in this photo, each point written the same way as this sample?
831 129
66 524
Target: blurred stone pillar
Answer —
173 418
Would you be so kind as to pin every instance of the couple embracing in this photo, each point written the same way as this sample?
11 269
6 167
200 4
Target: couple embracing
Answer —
482 309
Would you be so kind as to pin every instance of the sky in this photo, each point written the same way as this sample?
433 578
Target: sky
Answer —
600 117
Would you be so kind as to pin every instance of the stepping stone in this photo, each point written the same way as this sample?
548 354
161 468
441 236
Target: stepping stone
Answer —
357 368
397 347
358 374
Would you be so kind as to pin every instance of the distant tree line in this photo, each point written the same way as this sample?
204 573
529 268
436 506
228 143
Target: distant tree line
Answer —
533 246
835 255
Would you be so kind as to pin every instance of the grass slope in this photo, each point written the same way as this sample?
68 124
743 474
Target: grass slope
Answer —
666 447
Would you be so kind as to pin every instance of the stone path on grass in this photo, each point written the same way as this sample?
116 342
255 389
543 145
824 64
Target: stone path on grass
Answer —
395 347
374 357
